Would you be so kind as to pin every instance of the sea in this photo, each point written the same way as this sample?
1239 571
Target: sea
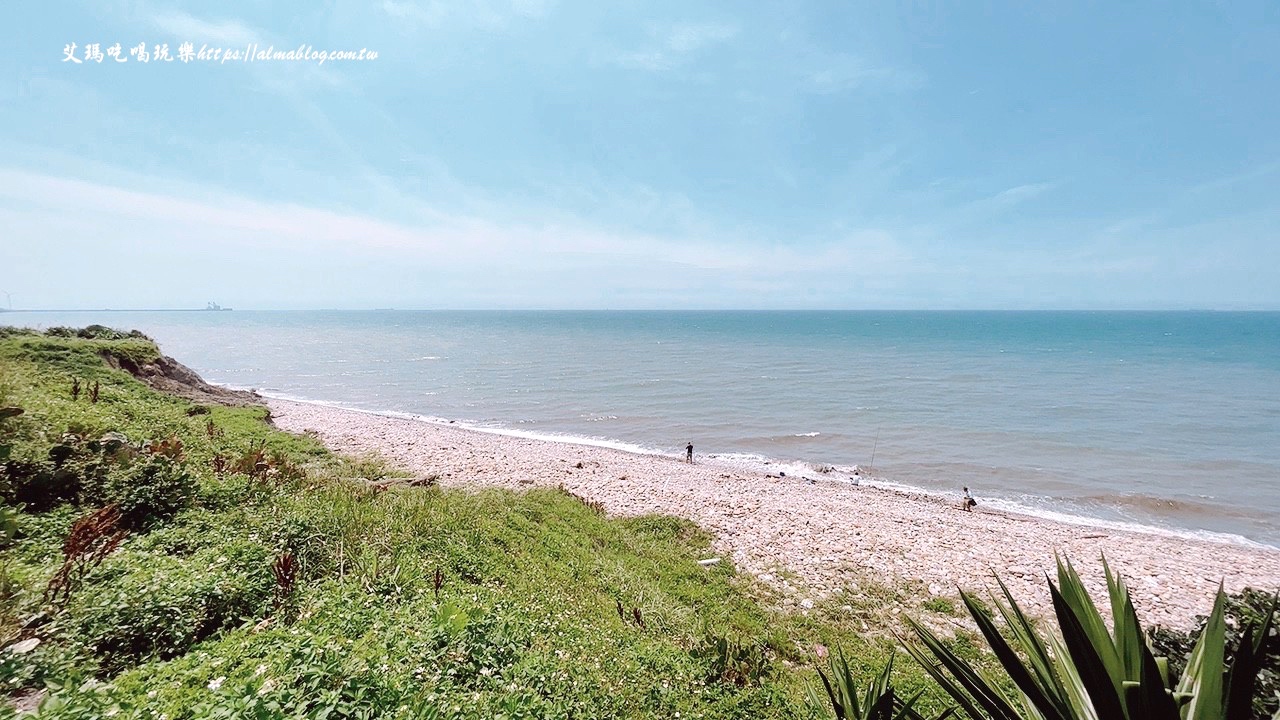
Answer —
1166 421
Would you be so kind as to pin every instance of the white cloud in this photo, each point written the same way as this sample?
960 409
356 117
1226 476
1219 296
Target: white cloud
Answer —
675 44
842 73
690 37
430 13
558 260
188 28
1007 199
1018 193
489 14
70 241
1256 172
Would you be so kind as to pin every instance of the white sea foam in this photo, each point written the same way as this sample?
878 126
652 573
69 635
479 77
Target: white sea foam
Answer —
856 475
493 429
800 469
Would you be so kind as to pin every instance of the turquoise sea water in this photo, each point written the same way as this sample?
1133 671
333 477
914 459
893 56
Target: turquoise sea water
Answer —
1163 419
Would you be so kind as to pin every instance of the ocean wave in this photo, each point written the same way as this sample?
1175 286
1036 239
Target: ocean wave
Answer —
492 429
1152 503
1083 519
1034 506
1027 505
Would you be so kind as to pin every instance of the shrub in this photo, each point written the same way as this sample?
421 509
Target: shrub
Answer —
92 538
1243 609
52 665
102 332
302 539
1086 669
875 700
42 479
33 484
476 644
7 331
730 661
40 536
148 490
41 485
143 606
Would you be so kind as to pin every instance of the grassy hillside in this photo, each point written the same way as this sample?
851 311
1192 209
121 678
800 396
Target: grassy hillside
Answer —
240 571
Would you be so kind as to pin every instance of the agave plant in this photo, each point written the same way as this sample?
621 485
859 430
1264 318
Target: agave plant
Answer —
877 700
1085 671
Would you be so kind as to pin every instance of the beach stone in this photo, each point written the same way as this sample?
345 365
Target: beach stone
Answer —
25 646
114 440
826 537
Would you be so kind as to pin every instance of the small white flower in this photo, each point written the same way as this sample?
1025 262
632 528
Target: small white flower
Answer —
216 683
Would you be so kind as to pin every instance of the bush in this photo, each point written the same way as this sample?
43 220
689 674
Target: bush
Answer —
732 661
1247 607
40 536
41 485
8 331
304 540
1085 669
94 332
148 490
147 487
50 664
42 479
34 485
142 606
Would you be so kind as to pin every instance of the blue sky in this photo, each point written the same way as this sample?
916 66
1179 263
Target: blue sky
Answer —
536 153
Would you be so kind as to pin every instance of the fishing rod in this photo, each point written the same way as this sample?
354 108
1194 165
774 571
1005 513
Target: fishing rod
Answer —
873 449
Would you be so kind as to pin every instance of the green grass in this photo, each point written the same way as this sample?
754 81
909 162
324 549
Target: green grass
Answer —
185 619
940 605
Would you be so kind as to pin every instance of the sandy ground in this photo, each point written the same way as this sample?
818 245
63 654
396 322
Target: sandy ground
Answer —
812 539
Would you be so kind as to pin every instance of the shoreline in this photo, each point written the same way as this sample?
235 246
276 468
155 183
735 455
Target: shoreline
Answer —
798 468
829 535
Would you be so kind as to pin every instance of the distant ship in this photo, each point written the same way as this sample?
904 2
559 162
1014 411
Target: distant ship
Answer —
216 307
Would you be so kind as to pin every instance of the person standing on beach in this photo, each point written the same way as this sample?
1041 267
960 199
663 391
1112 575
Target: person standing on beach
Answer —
968 502
688 453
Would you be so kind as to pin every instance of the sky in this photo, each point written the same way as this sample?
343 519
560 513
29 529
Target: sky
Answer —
555 154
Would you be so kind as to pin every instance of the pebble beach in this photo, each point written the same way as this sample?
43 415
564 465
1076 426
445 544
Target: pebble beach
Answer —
812 539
